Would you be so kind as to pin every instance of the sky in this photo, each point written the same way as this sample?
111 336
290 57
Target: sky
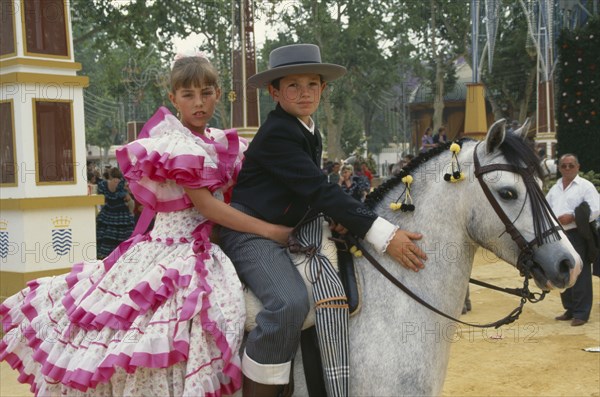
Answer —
189 44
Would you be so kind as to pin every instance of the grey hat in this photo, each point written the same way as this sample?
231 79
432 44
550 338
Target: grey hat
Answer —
296 59
515 122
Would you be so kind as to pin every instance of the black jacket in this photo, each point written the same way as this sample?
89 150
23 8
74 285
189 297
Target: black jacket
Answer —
588 231
281 178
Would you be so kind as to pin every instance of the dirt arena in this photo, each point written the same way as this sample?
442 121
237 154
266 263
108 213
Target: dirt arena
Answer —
535 356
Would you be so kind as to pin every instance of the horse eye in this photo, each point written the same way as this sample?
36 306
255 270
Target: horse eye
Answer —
508 194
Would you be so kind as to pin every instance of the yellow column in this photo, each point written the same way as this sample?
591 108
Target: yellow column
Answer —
475 116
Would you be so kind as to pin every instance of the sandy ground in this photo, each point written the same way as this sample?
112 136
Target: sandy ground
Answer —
535 356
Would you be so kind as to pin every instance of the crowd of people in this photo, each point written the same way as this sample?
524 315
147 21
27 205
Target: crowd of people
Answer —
177 292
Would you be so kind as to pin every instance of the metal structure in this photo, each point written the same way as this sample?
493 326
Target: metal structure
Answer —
243 98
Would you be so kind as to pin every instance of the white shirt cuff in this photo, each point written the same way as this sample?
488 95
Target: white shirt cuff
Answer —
381 233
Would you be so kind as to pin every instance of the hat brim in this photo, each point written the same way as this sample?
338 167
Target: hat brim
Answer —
328 71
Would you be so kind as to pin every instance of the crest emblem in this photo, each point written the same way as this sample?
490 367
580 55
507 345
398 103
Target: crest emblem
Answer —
3 239
62 239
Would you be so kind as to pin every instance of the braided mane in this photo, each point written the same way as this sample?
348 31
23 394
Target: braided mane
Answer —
514 148
379 193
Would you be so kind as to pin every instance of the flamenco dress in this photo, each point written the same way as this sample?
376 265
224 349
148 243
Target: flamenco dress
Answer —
163 314
114 223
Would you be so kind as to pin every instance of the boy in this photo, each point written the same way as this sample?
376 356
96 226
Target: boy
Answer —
280 179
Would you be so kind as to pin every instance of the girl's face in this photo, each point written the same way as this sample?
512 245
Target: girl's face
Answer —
196 105
299 94
346 174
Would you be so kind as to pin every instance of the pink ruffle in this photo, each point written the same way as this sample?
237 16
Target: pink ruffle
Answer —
158 165
117 353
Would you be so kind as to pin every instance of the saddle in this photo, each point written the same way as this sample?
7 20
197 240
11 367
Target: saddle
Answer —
340 257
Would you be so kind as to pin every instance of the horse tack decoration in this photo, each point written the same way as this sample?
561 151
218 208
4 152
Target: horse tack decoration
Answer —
456 174
407 203
398 346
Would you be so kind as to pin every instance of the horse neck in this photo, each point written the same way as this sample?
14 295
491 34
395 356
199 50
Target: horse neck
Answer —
441 215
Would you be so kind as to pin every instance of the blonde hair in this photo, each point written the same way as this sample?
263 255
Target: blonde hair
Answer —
348 167
193 72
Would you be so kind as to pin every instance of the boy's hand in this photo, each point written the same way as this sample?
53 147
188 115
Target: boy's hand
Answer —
280 234
337 227
403 249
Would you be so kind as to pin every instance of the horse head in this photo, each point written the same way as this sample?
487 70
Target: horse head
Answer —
497 203
509 174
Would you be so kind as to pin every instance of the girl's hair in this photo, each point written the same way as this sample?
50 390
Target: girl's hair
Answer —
193 72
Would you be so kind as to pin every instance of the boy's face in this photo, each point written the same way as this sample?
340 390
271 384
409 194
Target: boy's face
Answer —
196 105
299 94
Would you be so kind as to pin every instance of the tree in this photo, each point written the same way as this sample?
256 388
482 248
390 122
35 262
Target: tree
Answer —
357 34
126 48
439 32
511 84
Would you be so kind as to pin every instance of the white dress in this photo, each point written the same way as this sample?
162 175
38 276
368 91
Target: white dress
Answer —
163 315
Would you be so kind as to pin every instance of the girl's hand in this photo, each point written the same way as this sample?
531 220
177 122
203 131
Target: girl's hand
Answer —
279 233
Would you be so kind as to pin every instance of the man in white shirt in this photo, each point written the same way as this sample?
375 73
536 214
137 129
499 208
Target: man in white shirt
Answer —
566 195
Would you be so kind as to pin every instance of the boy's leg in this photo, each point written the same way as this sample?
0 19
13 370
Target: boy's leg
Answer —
267 269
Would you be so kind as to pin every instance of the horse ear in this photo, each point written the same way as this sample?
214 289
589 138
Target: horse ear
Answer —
495 135
524 129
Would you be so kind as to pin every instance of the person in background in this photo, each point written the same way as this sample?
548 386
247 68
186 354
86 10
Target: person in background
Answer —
350 183
514 125
440 138
334 174
114 223
565 199
427 141
366 172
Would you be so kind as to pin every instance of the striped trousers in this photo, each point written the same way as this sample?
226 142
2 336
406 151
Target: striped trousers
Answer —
267 269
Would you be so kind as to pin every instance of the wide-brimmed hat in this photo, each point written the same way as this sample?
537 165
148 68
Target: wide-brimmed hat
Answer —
296 59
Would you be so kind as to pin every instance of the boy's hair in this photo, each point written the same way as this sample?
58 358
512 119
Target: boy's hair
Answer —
193 72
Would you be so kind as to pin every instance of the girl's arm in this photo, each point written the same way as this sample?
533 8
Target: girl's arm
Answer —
225 215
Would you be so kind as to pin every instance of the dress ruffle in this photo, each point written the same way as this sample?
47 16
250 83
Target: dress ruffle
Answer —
76 330
163 314
169 157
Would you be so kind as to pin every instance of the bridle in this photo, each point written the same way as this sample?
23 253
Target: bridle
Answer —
525 261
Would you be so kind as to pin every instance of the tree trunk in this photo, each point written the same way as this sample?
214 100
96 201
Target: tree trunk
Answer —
438 97
529 91
334 132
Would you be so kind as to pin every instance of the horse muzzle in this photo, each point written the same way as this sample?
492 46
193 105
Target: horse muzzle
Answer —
556 265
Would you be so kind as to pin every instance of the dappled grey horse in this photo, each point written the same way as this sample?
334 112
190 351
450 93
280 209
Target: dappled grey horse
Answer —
399 347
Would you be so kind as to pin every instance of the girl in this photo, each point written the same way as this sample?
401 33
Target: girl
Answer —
163 314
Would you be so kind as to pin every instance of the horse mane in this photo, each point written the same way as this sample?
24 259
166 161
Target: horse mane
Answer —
379 193
514 148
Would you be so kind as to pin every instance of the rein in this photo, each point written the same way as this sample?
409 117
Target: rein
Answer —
523 293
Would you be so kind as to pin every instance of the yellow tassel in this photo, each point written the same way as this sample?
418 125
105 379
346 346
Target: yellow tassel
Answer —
408 179
455 148
355 251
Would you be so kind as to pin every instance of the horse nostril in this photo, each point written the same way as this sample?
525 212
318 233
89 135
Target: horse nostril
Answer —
564 271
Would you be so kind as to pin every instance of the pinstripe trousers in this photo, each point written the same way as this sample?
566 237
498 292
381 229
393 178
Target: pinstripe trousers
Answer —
267 269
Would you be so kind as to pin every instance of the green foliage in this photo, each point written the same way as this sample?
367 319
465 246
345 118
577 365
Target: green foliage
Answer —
126 49
578 92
